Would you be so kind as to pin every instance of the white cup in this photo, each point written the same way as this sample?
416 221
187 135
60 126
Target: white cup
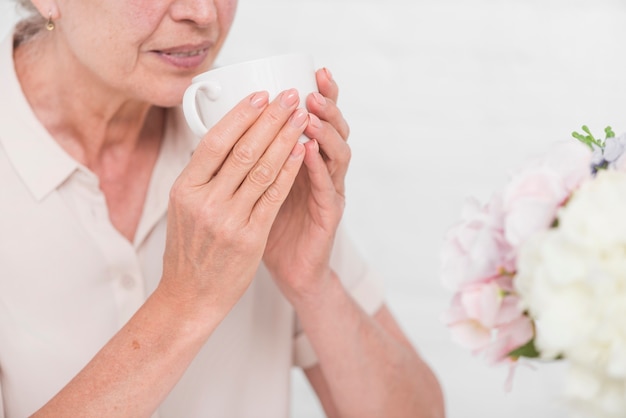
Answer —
215 92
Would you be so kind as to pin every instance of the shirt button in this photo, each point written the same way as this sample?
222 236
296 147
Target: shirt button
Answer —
128 282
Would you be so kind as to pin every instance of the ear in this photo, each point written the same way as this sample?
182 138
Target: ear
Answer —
47 8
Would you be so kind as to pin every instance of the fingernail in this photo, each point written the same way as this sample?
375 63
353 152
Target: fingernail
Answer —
316 145
299 117
297 150
259 99
321 100
314 121
329 75
289 98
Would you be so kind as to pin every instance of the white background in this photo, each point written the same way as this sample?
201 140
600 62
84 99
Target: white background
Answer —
444 98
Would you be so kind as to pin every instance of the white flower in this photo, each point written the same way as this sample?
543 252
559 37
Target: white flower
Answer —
593 395
572 280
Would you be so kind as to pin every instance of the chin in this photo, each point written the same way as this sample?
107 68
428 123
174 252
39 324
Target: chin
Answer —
168 102
167 98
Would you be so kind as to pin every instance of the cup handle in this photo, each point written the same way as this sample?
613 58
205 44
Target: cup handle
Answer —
190 108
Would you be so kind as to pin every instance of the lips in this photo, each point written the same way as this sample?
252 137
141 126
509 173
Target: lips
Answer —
185 56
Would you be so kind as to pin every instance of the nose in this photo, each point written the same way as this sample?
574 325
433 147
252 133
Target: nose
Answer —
200 12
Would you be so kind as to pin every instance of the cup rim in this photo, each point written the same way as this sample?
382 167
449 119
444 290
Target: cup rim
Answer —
214 70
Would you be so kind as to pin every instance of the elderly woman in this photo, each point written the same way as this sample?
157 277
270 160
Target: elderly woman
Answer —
147 272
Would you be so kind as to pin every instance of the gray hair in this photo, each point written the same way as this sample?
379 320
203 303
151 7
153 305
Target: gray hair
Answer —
30 24
26 6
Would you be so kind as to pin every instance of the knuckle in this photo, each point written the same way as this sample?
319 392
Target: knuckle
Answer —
235 235
341 204
262 174
273 195
274 117
241 117
345 132
345 154
213 144
243 154
245 238
241 114
177 192
207 214
226 230
220 225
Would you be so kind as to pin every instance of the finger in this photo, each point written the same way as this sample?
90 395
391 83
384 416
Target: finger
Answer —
321 181
328 111
268 205
331 142
335 149
248 150
267 169
214 147
326 85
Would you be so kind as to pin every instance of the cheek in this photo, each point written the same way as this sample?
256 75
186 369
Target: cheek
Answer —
141 17
105 37
226 10
113 59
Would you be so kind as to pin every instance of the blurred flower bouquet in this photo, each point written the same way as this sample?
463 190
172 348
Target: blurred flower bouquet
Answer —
539 271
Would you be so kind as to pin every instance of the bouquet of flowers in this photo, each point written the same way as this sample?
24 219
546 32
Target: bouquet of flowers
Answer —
539 271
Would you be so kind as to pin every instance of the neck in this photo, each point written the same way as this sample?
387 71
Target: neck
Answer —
90 121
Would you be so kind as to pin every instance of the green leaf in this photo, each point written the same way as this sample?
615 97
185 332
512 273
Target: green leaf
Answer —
528 350
585 140
590 140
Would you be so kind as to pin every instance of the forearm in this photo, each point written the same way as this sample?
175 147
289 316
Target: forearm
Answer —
370 370
132 374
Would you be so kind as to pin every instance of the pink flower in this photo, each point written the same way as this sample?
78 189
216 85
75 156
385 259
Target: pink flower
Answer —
485 317
532 198
475 249
509 337
534 194
531 201
479 255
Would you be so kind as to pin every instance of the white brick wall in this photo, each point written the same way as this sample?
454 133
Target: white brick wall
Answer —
444 98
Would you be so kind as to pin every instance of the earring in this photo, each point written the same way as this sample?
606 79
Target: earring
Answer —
50 23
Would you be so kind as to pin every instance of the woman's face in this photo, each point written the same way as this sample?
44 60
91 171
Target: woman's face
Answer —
145 49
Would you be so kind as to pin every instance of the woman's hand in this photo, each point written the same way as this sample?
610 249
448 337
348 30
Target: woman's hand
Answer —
223 204
300 243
